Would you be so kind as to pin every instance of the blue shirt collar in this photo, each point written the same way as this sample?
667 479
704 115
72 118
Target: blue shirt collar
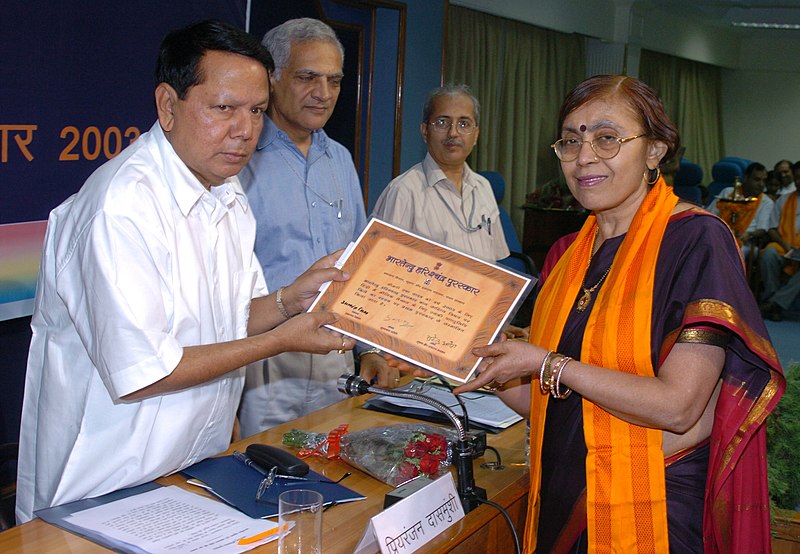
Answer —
271 134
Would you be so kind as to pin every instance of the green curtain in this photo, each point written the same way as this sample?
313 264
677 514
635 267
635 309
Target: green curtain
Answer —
520 74
691 92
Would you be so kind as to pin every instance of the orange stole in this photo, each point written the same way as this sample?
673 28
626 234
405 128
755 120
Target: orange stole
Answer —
626 492
786 225
738 215
786 230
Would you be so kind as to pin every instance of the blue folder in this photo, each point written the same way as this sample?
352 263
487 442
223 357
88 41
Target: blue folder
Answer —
236 484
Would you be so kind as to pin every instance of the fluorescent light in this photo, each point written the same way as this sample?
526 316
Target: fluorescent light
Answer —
757 25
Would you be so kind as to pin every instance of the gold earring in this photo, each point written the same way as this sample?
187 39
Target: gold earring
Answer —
654 179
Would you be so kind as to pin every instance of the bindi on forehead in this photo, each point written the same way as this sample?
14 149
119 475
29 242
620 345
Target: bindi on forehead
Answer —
583 128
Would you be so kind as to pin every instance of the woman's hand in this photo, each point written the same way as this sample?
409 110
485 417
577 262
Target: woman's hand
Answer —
502 363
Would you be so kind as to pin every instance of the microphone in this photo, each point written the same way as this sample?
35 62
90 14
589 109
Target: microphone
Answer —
470 495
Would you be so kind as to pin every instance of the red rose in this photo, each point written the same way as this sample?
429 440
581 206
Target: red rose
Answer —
437 446
415 449
428 465
407 471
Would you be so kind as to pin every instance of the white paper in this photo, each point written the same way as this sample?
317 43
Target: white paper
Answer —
487 409
411 523
170 519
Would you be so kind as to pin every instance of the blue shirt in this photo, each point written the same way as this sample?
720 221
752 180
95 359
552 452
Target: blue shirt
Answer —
305 208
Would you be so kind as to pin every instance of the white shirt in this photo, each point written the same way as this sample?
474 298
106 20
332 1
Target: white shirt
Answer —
760 219
141 262
423 201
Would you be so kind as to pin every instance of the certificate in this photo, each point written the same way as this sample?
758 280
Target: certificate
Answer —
420 301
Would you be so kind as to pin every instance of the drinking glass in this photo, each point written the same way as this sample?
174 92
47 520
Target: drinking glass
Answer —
300 522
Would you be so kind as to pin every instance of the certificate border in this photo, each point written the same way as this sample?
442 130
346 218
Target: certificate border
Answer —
514 288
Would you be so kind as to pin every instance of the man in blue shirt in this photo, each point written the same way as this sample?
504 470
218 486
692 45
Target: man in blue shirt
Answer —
307 201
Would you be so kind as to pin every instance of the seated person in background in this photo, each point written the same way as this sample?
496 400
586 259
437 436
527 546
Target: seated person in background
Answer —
784 230
772 186
796 172
441 198
784 169
149 288
749 222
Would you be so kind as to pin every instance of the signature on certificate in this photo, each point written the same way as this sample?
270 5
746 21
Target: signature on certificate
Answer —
400 322
433 340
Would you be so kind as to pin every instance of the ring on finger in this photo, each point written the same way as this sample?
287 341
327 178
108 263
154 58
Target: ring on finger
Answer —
341 350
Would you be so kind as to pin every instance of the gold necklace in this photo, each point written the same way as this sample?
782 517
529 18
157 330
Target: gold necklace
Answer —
583 301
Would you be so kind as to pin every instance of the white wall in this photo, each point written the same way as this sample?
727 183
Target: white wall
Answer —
761 115
761 77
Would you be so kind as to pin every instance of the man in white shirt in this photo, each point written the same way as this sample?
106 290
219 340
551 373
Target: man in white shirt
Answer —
755 178
784 230
441 198
150 298
784 169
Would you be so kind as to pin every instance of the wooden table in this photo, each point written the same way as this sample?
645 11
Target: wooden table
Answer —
482 530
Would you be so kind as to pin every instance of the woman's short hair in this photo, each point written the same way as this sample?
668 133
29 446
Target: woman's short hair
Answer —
643 101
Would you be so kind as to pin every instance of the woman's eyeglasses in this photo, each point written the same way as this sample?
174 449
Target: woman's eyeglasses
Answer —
604 147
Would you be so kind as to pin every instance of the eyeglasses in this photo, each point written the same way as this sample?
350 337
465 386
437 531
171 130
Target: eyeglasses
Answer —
272 475
605 147
463 126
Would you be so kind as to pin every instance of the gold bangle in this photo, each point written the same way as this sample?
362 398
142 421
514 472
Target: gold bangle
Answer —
557 360
556 389
370 351
281 308
544 383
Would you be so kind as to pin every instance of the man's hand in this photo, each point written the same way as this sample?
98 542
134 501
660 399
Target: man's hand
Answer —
306 333
405 367
298 296
373 365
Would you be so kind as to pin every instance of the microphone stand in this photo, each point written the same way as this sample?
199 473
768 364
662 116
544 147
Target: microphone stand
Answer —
353 385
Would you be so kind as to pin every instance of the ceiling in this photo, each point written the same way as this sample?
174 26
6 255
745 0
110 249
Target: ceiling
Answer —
724 12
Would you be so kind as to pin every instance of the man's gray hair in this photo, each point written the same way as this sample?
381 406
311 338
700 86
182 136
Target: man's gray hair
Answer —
446 90
279 40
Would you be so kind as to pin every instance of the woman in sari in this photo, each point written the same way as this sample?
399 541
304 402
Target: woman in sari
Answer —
649 371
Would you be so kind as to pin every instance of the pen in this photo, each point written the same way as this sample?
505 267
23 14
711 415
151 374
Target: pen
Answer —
246 460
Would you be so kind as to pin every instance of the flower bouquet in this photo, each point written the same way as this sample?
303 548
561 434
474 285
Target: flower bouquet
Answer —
399 453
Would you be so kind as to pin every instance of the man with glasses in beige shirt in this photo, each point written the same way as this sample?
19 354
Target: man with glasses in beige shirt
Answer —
441 198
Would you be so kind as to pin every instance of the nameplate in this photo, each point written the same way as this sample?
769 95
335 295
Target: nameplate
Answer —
413 522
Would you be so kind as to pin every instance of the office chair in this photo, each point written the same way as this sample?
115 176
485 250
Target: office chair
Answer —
723 173
687 182
517 259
